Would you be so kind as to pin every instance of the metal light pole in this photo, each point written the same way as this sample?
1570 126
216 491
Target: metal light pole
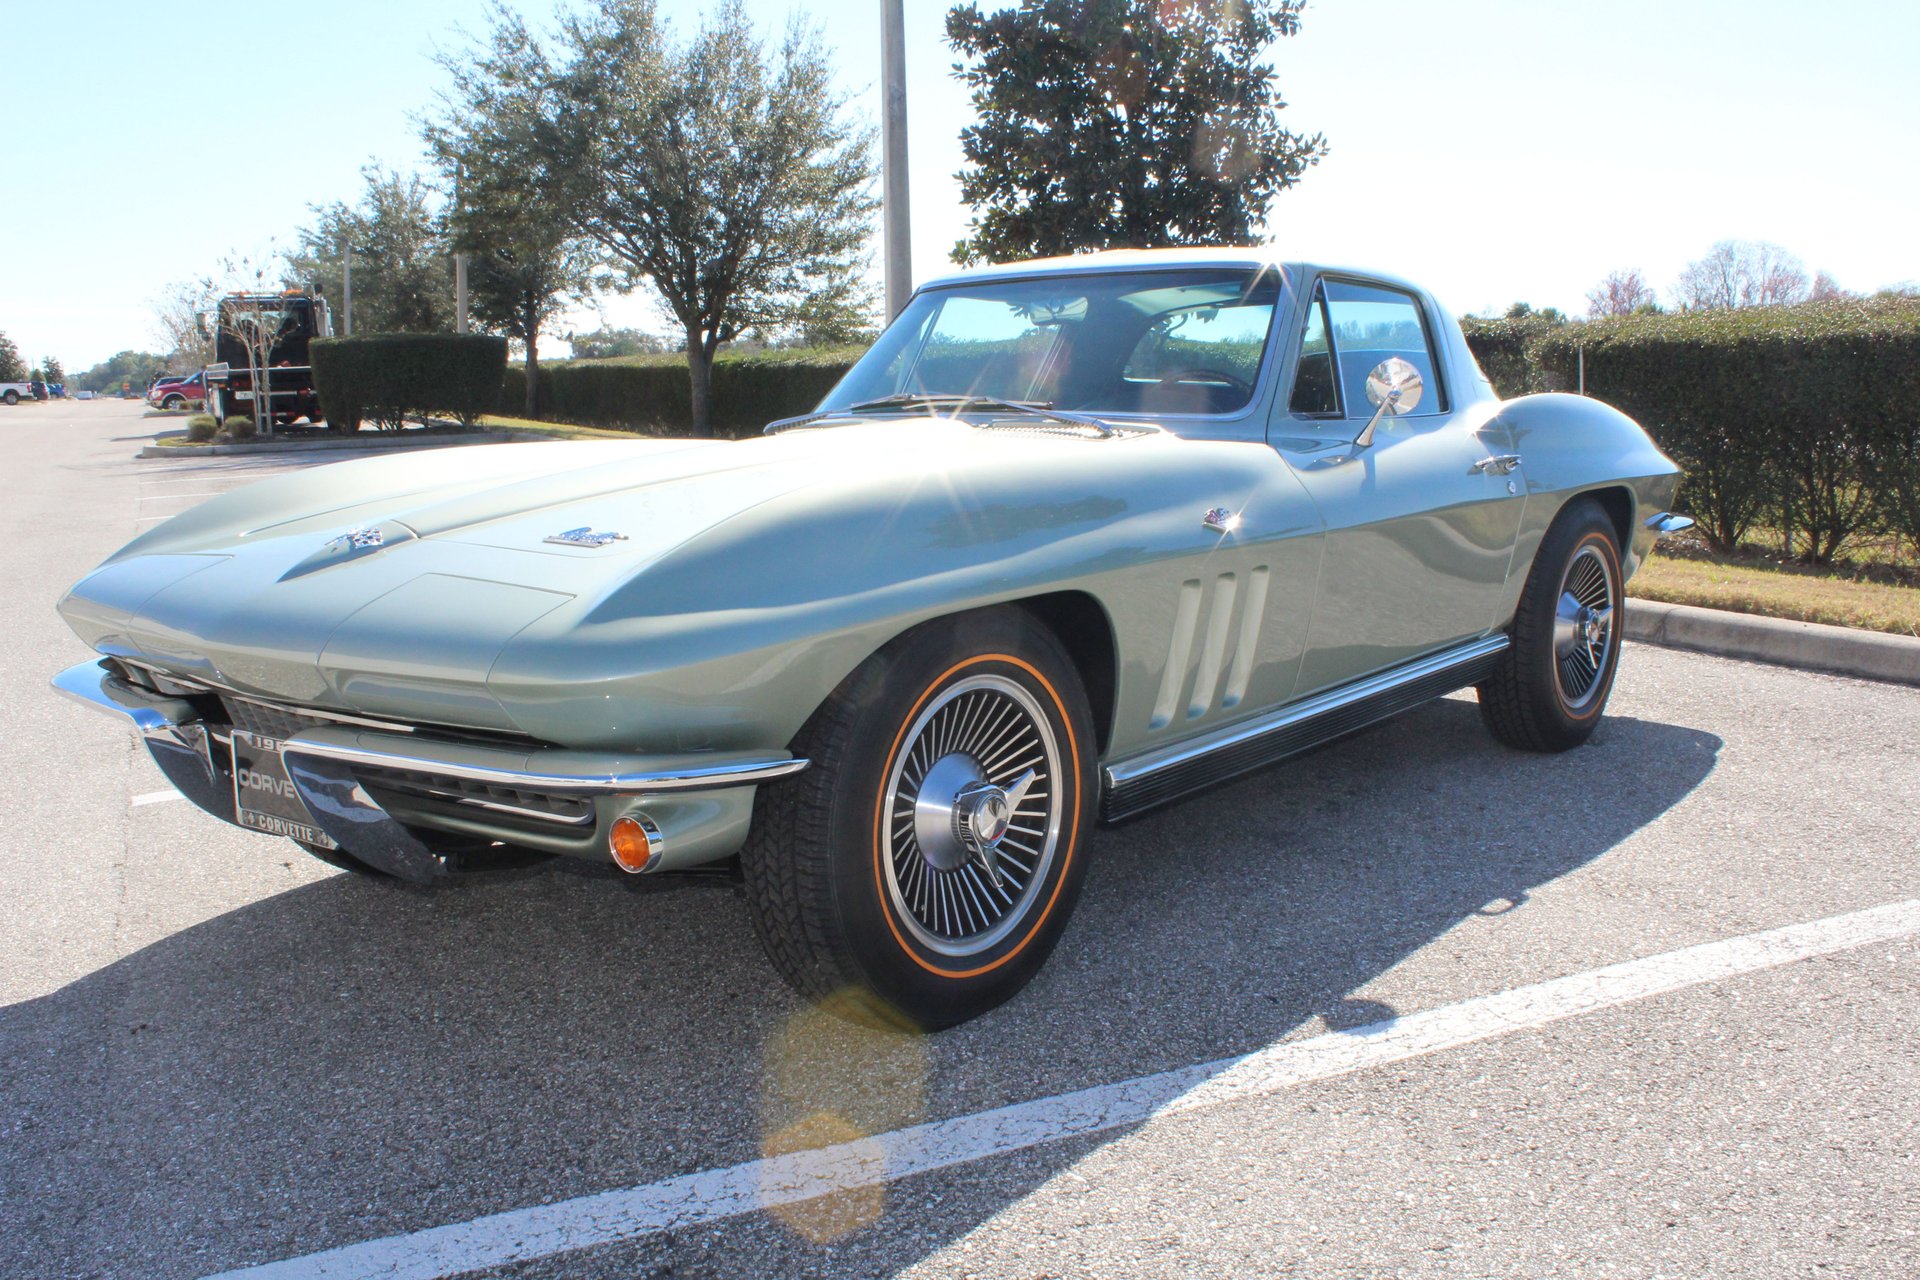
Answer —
459 259
893 134
459 293
346 285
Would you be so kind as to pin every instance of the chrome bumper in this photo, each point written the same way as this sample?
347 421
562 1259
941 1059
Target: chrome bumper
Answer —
329 766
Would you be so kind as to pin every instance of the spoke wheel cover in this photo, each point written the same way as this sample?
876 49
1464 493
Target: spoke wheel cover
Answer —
1584 630
976 739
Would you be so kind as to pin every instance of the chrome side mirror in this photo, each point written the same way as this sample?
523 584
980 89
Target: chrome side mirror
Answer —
1394 387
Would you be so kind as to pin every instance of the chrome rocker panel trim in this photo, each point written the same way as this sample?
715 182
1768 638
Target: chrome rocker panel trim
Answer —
1158 777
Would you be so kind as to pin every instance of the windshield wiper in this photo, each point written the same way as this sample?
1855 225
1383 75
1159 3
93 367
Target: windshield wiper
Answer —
959 403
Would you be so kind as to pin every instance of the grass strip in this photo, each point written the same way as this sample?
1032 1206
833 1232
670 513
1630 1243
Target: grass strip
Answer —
1778 592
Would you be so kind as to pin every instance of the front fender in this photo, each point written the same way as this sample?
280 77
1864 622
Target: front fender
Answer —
733 639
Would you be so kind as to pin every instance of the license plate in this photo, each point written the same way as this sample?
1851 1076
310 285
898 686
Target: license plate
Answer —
264 798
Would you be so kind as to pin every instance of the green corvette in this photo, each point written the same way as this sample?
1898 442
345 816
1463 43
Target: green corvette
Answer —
1074 539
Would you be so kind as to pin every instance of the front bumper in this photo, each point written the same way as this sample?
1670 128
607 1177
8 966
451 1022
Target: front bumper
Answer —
383 793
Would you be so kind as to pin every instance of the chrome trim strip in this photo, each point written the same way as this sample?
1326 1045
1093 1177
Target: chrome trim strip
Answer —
92 685
1154 777
708 778
314 713
491 806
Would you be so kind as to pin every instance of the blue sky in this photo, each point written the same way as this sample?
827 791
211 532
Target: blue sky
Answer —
1493 149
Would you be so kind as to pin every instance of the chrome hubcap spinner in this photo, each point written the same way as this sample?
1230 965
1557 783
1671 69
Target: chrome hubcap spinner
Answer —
973 821
1583 630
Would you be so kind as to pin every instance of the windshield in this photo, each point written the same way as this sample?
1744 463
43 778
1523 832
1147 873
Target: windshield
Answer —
284 323
1152 342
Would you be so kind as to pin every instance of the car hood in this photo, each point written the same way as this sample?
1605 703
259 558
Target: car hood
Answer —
391 585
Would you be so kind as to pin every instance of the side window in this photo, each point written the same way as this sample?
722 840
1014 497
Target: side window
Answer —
1371 324
1315 393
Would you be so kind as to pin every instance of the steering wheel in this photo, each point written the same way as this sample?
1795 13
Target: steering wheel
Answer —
1198 374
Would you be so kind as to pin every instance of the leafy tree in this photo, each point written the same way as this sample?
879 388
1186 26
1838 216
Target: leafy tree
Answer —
12 367
606 344
51 372
135 368
526 265
402 275
1525 311
1742 273
724 175
1123 124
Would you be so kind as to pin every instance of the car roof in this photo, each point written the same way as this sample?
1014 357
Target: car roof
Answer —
1247 258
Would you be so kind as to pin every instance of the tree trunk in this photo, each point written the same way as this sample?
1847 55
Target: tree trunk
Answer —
700 371
262 393
533 373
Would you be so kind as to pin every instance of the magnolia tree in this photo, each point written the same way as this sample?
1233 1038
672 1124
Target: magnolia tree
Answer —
1123 123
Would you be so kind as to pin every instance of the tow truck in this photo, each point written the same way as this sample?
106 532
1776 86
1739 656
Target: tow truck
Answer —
271 332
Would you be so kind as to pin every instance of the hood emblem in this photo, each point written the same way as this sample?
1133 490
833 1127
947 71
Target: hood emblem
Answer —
584 536
1221 520
360 539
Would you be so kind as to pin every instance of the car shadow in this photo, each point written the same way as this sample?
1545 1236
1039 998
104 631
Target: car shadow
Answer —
353 1059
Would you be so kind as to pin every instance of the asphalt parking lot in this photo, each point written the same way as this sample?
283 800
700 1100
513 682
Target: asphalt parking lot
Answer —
217 1053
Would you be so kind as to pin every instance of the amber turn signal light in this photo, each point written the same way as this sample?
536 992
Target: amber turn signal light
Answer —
635 843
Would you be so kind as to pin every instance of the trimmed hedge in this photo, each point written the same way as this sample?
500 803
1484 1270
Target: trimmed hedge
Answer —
1805 418
1504 349
652 393
387 377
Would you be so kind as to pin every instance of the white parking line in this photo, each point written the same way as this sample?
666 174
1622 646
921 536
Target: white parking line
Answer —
541 1231
169 497
157 797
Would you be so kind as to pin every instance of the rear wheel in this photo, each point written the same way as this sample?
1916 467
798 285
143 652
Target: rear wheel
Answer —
1549 691
922 870
13 397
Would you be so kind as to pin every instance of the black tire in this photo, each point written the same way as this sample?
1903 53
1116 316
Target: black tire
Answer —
13 397
173 402
853 911
1551 688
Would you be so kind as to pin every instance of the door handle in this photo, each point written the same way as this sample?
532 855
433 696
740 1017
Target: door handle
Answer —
1500 464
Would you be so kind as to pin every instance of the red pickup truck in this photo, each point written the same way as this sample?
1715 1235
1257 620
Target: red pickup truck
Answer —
174 393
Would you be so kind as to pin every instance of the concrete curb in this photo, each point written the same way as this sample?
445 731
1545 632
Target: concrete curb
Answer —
362 443
1812 646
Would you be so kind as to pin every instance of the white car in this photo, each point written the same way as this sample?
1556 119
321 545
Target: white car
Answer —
15 392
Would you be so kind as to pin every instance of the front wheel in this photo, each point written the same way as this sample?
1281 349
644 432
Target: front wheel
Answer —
920 872
1548 693
173 402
